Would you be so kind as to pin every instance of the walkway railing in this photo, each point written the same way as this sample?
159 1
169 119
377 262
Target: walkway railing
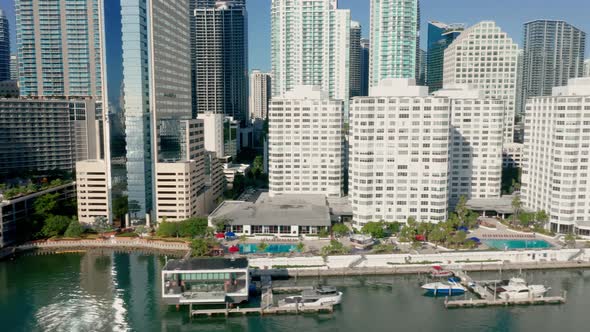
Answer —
107 243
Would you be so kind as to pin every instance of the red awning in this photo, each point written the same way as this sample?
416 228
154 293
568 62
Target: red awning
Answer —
220 236
234 249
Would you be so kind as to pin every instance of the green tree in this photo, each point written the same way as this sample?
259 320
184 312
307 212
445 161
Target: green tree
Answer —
74 229
375 229
323 233
383 248
516 206
258 165
193 227
541 218
300 247
393 227
46 205
201 247
121 207
459 237
461 210
526 219
437 234
340 230
167 229
570 240
101 225
334 248
55 226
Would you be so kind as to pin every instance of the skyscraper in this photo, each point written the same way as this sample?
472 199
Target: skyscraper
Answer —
355 59
310 46
59 56
485 58
365 59
440 36
4 48
219 60
395 39
553 53
421 75
158 110
260 91
13 67
587 68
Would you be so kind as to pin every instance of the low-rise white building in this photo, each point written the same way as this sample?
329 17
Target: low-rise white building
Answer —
306 143
555 176
92 189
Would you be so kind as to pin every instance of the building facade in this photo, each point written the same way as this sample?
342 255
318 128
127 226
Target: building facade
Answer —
365 60
58 56
306 143
310 46
512 155
485 58
13 67
440 36
556 157
4 48
219 58
260 93
587 68
92 190
553 53
395 39
355 59
43 135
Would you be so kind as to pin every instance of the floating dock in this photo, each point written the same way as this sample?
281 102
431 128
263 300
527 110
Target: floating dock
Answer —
488 298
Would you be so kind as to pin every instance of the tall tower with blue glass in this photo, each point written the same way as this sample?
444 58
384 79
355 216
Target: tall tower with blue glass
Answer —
440 36
4 48
157 93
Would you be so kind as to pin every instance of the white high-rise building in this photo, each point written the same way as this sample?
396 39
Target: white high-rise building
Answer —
587 68
475 153
306 143
485 58
395 40
415 155
555 176
213 131
310 46
260 93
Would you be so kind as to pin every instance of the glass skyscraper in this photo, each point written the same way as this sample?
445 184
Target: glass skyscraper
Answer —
355 59
4 48
219 58
395 39
59 56
440 36
553 53
365 59
157 92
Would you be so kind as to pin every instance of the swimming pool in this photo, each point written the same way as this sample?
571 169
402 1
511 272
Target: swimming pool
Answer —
252 248
518 244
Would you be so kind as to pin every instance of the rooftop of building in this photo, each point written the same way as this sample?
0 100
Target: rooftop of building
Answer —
502 205
575 87
340 206
285 210
194 264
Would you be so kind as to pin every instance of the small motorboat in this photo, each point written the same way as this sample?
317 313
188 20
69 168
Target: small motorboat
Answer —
517 288
317 297
451 287
439 272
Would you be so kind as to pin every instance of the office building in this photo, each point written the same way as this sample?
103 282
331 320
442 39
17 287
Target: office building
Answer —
395 39
92 187
486 59
421 76
219 58
4 47
9 89
13 67
587 68
365 59
556 157
553 53
43 135
260 93
58 56
214 133
355 59
306 143
310 46
413 155
157 89
440 36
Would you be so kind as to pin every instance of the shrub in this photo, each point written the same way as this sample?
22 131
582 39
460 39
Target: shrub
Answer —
75 229
55 226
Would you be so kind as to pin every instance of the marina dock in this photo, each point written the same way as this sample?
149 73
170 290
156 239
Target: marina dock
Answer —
488 298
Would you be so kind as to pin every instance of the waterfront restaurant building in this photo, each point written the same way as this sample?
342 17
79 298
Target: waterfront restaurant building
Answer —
205 281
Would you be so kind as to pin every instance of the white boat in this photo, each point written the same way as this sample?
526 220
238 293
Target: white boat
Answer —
518 289
440 288
318 297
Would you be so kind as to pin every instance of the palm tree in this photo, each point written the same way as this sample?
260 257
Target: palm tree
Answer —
516 206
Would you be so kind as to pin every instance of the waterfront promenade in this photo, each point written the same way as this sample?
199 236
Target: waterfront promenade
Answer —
112 243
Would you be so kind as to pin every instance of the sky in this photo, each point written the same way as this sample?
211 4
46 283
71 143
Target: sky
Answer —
509 14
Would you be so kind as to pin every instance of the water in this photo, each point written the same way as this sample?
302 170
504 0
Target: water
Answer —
251 248
120 292
518 244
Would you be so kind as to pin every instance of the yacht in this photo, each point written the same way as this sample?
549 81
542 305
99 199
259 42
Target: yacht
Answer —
517 288
452 287
317 297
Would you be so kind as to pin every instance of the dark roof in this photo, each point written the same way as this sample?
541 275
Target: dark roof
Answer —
206 264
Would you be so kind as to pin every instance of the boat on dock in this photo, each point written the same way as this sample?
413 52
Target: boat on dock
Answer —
317 297
517 288
449 288
439 272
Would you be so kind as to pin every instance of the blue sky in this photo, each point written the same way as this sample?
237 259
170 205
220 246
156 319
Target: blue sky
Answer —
509 14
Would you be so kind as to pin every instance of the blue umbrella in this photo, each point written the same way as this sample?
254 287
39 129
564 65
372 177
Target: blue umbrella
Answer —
230 234
474 239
